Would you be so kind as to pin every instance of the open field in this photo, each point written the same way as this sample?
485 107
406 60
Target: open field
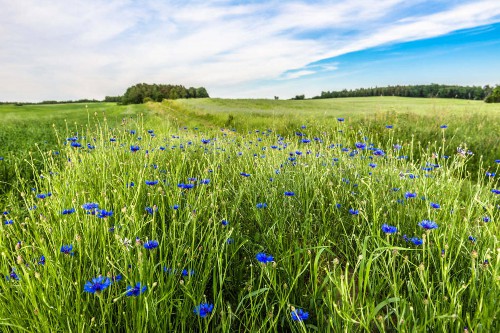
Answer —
245 216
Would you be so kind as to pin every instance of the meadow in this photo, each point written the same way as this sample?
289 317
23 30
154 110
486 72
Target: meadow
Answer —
210 215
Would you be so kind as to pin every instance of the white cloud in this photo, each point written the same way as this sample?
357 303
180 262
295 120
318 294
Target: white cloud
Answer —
74 49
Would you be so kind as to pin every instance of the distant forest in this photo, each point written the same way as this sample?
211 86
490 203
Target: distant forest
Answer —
430 91
143 92
137 94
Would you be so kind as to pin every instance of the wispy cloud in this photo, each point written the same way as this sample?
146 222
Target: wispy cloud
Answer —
71 49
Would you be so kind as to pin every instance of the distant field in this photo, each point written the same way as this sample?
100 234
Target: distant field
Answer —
472 123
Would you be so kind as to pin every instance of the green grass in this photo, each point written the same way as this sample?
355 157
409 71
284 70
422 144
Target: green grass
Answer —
470 123
30 131
339 267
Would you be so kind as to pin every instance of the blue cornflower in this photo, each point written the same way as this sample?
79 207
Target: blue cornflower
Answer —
13 275
68 211
410 195
497 161
112 139
353 211
289 194
104 214
224 222
134 148
472 239
305 140
261 205
435 205
264 258
175 207
389 229
372 165
230 241
76 144
203 309
7 222
67 249
299 315
495 191
428 224
151 182
340 119
43 195
151 210
97 285
443 126
360 145
152 244
486 219
131 184
244 174
205 141
416 241
41 261
185 186
378 152
205 181
186 272
90 206
490 174
389 126
136 290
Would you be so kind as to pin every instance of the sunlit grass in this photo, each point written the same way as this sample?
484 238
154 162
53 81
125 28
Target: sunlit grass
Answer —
305 197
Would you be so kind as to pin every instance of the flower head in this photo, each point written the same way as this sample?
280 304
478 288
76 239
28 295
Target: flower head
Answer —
410 195
151 182
67 249
104 214
416 241
68 211
203 309
360 145
389 229
428 224
435 205
136 290
152 244
261 205
97 285
90 206
134 148
299 315
289 194
264 258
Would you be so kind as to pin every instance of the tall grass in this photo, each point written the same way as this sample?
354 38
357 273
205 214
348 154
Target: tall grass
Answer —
218 197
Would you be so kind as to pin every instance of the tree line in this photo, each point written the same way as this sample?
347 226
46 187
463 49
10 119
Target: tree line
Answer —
430 90
143 92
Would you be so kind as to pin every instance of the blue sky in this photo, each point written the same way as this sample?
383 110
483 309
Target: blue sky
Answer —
65 49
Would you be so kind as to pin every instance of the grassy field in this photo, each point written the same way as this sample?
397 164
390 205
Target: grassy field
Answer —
28 132
249 216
